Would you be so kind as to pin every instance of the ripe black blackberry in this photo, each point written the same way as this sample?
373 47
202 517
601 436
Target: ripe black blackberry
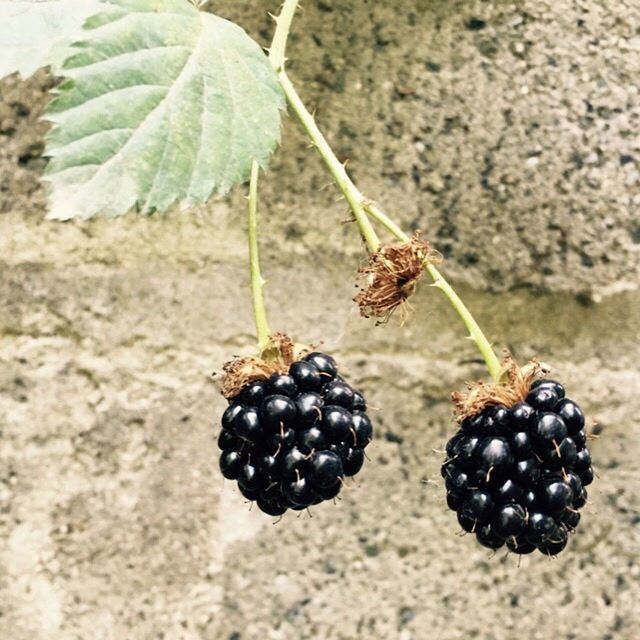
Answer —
290 439
516 471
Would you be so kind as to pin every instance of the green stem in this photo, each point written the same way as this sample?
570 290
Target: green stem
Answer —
336 168
281 35
361 207
257 281
475 333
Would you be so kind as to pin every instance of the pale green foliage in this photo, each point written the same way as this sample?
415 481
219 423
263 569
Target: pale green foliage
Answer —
161 104
37 33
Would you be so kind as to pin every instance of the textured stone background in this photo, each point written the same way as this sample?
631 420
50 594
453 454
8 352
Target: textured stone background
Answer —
508 131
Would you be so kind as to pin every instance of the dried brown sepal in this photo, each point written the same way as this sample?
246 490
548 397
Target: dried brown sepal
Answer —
276 357
513 387
390 277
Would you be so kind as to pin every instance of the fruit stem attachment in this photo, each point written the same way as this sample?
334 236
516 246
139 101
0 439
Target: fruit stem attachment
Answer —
475 333
361 207
336 168
257 281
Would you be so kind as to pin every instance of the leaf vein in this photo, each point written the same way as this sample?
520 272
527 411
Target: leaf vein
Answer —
189 61
106 62
197 161
95 134
148 116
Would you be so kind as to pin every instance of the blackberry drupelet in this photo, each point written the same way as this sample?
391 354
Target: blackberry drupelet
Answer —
291 439
517 475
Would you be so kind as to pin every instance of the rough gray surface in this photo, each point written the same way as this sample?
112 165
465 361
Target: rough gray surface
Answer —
487 124
114 521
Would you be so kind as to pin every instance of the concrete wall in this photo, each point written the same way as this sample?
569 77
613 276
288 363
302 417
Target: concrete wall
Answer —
508 131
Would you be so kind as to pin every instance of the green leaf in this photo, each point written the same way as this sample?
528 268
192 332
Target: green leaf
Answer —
37 33
162 104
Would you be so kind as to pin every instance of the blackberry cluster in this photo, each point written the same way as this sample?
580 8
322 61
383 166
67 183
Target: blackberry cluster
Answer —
290 440
517 475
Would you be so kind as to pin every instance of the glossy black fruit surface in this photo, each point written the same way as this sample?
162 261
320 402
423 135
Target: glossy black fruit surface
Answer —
337 423
308 406
325 469
540 527
520 545
549 430
312 439
339 393
494 453
253 394
353 461
572 415
251 478
516 476
556 543
478 506
543 398
509 491
556 387
231 463
521 444
306 376
325 364
290 441
487 537
282 384
362 429
521 416
510 520
359 403
277 412
300 492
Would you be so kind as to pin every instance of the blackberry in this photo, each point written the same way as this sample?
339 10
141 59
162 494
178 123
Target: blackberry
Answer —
359 403
337 423
300 492
521 445
251 479
487 537
581 500
277 412
253 394
325 469
556 544
312 439
453 501
226 440
520 545
586 476
510 520
290 440
478 506
516 472
283 385
527 472
246 425
339 393
230 464
362 429
306 375
353 462
509 491
308 407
